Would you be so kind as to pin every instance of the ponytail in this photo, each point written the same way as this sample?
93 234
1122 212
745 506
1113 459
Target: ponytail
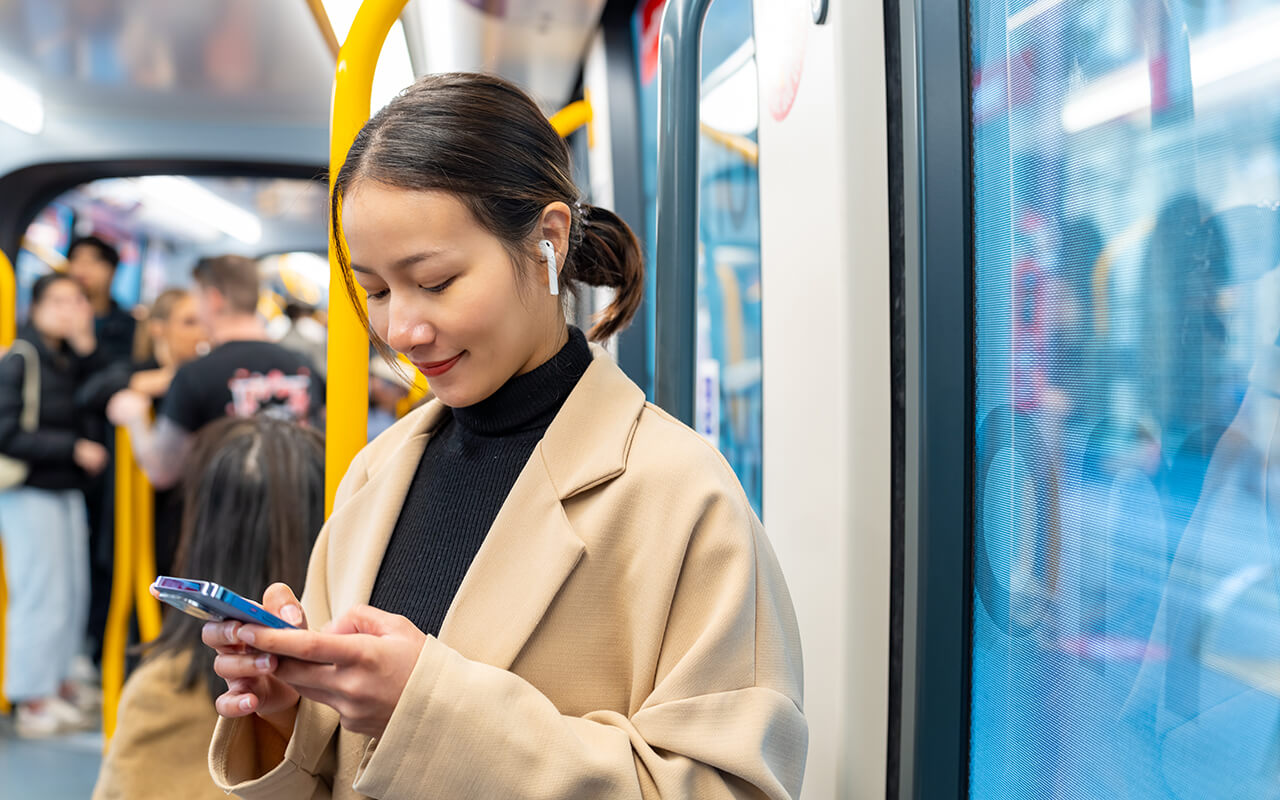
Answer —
607 254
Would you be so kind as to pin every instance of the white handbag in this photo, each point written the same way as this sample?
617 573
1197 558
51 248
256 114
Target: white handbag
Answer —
13 471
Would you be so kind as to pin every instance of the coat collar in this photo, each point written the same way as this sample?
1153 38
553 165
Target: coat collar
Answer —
531 548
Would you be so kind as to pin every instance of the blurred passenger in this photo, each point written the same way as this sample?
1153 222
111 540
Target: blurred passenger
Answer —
305 335
93 262
43 522
1184 335
171 336
623 628
244 375
1213 663
386 390
254 498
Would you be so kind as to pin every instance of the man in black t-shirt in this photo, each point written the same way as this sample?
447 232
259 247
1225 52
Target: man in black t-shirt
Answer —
244 375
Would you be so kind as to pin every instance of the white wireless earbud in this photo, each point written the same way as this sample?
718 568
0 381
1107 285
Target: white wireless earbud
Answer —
549 254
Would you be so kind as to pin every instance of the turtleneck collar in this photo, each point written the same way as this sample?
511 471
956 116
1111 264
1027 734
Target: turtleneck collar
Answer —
530 401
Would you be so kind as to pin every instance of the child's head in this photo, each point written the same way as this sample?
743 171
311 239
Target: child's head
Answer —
253 503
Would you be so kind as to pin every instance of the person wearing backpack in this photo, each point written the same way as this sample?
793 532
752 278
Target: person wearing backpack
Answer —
43 525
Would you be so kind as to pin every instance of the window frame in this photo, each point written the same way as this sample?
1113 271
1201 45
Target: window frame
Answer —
936 510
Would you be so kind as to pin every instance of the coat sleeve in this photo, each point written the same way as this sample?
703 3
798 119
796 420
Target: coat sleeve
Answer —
233 751
723 720
41 446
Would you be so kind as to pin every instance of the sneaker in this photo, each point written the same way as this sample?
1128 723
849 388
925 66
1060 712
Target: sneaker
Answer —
85 697
38 721
72 718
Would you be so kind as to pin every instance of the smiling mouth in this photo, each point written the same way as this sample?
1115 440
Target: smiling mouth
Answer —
434 368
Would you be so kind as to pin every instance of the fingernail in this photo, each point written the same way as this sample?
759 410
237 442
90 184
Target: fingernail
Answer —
246 703
230 633
292 614
263 663
245 635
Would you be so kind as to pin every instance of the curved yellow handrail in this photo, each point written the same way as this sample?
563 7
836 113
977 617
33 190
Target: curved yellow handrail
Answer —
347 401
8 332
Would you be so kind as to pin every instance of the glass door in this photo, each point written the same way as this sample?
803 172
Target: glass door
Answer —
1126 408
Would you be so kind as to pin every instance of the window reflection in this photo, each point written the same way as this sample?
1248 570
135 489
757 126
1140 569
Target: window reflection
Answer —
1127 543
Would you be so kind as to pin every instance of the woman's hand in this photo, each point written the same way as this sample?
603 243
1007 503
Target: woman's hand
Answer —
89 456
127 408
252 685
358 666
152 382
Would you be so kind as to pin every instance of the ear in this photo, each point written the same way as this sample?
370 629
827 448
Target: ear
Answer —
554 227
217 302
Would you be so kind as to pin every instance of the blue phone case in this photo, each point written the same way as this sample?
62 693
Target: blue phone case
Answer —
209 601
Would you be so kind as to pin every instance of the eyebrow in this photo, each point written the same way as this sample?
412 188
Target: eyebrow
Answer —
407 261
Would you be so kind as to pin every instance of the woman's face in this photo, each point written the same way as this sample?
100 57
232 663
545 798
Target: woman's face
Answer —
63 310
183 332
443 291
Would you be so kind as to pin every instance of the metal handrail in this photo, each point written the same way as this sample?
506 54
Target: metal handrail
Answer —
325 25
347 401
679 89
571 117
133 571
8 332
115 637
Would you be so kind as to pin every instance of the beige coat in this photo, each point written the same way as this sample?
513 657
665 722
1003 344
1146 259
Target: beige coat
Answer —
158 750
623 632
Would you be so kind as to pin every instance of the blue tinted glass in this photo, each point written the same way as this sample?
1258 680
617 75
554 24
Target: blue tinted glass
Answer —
1126 637
729 402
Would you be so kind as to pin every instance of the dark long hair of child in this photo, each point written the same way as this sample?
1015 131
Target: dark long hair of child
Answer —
253 504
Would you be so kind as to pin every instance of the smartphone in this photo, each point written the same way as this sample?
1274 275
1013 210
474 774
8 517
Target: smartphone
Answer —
209 601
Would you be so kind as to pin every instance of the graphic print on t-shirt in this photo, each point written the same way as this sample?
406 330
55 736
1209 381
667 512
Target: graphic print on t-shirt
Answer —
274 395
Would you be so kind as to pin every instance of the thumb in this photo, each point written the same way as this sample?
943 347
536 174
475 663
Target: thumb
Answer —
364 619
280 600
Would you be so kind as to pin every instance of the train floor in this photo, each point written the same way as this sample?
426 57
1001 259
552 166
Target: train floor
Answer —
62 768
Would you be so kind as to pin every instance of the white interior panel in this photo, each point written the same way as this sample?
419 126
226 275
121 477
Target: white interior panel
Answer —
824 217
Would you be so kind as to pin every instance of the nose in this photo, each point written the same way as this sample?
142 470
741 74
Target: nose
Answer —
407 328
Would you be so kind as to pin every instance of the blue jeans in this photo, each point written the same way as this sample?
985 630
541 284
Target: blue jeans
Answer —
46 567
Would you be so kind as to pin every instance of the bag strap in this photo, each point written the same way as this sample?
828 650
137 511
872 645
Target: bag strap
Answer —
30 419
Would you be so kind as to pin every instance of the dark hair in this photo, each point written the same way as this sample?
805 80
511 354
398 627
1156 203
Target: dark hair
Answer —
253 502
106 252
485 141
235 277
43 283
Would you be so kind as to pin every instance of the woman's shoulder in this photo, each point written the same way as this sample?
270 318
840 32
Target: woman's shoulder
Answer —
677 475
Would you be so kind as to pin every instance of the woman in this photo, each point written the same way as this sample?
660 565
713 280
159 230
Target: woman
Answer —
43 523
536 585
254 499
173 335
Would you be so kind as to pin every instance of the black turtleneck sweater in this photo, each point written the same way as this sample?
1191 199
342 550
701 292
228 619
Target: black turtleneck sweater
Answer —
466 472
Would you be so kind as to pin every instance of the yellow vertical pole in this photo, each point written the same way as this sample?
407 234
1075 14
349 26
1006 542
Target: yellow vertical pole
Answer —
144 555
347 402
116 637
8 332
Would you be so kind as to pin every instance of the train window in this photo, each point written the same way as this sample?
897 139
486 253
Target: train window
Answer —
160 225
1126 565
728 409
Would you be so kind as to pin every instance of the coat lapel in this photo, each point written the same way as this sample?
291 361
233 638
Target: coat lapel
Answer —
532 548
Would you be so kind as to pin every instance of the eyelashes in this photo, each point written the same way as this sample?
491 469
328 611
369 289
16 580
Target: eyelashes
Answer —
437 289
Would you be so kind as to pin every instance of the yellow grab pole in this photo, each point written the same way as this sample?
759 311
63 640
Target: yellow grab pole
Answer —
347 402
144 555
8 332
324 24
116 637
571 117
